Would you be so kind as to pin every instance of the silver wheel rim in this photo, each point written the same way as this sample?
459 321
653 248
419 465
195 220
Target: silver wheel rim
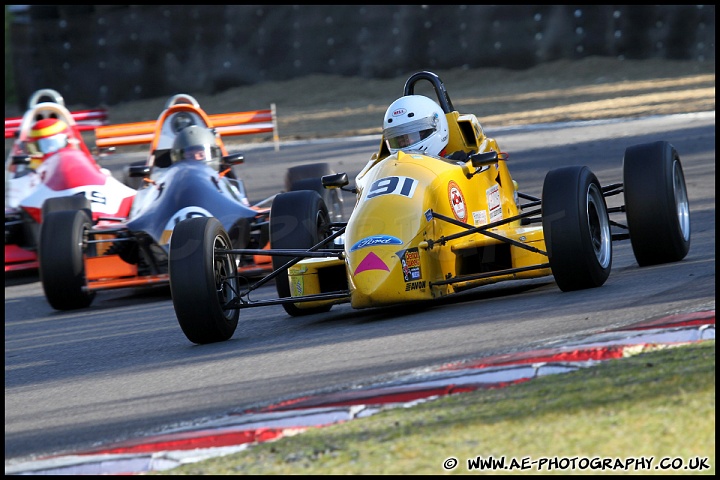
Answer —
225 271
681 200
599 226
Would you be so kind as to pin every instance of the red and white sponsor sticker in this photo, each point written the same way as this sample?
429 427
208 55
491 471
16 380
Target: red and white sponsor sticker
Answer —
457 200
494 204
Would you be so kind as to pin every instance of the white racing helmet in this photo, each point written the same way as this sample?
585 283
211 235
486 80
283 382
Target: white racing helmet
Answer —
415 122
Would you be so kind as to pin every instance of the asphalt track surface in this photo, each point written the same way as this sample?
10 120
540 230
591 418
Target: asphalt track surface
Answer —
122 370
236 432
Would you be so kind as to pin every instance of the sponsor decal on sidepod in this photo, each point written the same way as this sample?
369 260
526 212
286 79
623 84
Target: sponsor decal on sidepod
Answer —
376 240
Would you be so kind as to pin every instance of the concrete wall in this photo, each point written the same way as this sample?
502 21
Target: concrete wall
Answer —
106 54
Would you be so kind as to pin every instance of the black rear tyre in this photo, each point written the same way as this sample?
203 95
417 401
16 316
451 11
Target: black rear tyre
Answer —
202 281
576 228
298 220
309 177
135 183
656 203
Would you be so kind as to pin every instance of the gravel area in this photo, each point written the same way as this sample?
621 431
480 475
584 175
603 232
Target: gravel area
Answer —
319 106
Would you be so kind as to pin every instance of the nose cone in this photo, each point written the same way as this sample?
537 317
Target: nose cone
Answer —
384 231
371 277
385 276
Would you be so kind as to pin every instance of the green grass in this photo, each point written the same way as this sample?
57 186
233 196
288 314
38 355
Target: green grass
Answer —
657 404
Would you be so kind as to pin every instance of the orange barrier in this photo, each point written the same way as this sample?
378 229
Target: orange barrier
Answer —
226 124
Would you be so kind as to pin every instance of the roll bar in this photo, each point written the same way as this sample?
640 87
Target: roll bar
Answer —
438 85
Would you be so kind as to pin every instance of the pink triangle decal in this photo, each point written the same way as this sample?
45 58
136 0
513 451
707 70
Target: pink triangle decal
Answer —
371 262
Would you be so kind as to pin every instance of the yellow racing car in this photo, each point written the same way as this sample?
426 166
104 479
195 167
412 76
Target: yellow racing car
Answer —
426 226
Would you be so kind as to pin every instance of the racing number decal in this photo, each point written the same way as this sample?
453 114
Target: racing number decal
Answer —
186 214
404 186
93 196
180 215
457 201
97 197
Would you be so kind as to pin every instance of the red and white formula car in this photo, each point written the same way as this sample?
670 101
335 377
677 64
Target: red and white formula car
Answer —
68 179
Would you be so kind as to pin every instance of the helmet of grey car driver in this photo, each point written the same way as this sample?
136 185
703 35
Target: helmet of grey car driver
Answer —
196 143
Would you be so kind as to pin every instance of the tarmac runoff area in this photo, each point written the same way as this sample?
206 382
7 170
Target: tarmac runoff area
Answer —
236 432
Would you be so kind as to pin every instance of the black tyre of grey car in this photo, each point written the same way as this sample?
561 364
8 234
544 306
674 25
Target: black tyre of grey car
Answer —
309 177
298 220
62 267
202 281
135 183
656 203
576 227
301 172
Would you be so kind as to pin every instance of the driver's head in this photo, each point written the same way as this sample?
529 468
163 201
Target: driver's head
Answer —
47 136
415 122
196 143
197 152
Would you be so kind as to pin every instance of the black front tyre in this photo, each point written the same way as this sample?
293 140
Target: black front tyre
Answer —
298 220
62 266
576 227
656 203
202 281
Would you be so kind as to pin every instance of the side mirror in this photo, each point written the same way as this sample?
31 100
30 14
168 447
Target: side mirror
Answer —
336 180
480 159
138 171
234 159
21 159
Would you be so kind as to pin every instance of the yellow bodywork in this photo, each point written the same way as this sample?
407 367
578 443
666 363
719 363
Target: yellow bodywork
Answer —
397 251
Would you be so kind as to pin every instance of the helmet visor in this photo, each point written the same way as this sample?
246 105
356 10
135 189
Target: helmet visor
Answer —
201 153
48 145
409 139
409 134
